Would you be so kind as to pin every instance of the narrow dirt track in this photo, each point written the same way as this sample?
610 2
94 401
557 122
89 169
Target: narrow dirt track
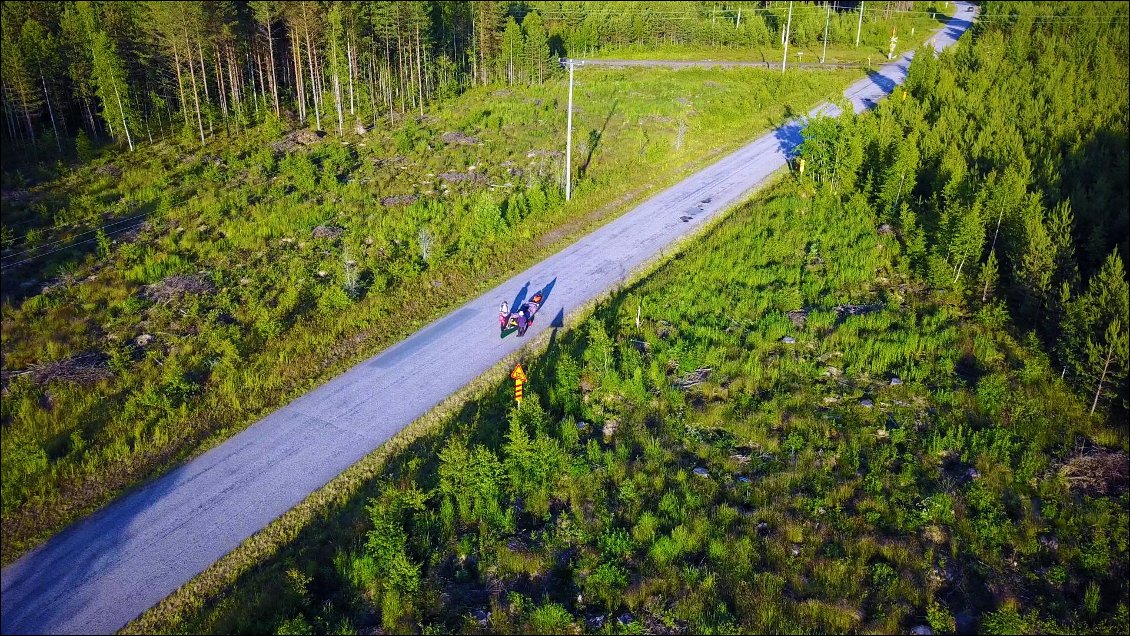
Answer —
103 571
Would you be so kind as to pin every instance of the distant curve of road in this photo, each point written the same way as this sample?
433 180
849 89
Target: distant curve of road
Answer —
720 63
105 570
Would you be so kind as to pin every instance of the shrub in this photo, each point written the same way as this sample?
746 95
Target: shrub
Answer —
551 618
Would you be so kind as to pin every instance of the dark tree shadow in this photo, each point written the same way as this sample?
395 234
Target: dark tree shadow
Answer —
788 133
557 46
882 81
595 137
557 324
52 589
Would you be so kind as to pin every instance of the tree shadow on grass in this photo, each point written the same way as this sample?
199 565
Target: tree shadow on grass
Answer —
595 137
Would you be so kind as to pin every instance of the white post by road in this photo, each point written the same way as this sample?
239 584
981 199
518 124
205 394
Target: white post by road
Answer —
788 26
859 27
826 22
569 136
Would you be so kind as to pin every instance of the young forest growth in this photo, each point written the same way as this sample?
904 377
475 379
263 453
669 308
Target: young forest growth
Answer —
80 73
853 406
1004 168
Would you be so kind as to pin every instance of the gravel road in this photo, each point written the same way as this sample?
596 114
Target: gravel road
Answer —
105 570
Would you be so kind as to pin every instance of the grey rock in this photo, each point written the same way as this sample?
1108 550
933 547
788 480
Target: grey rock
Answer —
327 231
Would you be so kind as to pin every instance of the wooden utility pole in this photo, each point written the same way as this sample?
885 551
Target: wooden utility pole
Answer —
859 27
788 27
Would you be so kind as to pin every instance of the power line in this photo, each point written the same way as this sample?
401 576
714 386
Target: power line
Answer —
77 225
116 232
38 247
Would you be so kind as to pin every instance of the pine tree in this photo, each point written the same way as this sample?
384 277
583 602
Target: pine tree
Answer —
989 277
109 74
538 64
900 176
1037 265
488 22
1111 353
76 52
1060 231
172 26
966 238
913 238
513 48
266 12
1092 346
519 455
337 60
17 71
42 57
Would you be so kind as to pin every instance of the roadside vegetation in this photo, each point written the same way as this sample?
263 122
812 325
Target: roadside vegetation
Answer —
847 408
229 279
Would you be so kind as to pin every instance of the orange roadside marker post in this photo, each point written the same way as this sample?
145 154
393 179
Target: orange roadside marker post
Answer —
519 377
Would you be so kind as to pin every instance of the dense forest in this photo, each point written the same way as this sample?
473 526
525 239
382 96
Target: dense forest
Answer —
78 73
905 411
1005 168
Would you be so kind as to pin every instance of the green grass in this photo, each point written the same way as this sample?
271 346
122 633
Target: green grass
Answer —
911 29
872 520
274 328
